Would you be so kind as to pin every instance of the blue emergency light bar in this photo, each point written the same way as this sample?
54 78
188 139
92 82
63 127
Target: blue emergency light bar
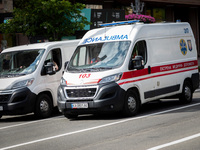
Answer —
119 23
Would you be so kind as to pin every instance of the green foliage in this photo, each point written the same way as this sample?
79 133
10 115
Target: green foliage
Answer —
50 18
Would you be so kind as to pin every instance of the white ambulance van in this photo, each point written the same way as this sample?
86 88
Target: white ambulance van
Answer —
30 76
122 65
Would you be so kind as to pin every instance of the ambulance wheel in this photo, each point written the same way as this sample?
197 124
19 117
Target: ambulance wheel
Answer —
186 95
131 104
70 116
43 107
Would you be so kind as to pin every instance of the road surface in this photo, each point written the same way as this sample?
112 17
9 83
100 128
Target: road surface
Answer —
165 124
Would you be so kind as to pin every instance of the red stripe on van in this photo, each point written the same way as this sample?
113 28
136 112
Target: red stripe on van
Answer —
159 69
157 76
176 66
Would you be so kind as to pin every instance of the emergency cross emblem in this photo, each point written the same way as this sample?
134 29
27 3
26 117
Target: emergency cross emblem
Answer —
183 47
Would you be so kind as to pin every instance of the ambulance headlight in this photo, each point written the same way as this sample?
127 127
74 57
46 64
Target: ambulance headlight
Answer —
24 83
112 78
63 82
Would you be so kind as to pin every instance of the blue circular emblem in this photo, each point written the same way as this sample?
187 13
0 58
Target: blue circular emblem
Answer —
183 47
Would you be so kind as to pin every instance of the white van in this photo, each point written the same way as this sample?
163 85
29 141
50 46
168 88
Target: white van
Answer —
30 76
122 65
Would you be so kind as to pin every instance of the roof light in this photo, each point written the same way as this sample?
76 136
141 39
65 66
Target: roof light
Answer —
119 23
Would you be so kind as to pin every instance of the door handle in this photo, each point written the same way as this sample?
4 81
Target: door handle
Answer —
149 70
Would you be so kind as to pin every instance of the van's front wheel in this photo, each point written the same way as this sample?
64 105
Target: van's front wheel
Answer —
186 95
43 107
131 104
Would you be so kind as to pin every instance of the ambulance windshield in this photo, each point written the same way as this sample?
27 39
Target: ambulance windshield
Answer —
18 63
99 56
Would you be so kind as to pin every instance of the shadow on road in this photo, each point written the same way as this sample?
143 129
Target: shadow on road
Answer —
25 118
146 109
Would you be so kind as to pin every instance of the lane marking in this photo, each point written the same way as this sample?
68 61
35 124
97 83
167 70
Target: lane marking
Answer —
175 142
97 127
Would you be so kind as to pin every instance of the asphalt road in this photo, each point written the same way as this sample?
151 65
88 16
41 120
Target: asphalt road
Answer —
166 125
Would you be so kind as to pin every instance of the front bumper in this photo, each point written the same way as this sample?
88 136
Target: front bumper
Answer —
16 102
108 97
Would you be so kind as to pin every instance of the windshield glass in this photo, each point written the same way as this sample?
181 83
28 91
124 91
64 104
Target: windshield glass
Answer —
98 56
19 63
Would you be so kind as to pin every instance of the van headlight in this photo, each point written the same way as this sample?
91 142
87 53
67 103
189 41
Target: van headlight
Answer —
63 82
24 83
112 78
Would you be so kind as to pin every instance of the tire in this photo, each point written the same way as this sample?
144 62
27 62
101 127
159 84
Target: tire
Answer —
131 104
70 116
43 107
187 94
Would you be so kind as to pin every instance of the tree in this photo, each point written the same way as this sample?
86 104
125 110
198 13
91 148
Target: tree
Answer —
50 18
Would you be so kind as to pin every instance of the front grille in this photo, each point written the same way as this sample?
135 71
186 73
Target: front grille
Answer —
4 98
82 93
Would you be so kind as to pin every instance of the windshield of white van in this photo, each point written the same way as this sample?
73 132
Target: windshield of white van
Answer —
99 56
18 63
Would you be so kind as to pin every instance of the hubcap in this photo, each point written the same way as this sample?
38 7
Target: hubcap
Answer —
44 106
187 93
131 103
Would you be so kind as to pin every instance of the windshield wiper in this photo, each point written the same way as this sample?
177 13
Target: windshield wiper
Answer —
93 69
100 68
74 69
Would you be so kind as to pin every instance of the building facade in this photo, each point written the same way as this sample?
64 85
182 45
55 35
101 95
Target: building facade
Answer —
161 10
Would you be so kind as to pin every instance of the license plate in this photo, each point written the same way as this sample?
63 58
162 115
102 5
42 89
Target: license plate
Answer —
79 105
1 108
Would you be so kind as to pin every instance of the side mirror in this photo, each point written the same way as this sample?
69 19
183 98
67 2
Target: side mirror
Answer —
50 69
136 63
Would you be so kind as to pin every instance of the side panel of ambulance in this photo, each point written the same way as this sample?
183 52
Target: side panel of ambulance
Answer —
30 76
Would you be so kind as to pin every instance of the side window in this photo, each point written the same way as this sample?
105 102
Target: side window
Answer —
55 57
81 57
140 49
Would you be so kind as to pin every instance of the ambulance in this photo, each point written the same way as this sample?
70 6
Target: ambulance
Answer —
122 65
30 75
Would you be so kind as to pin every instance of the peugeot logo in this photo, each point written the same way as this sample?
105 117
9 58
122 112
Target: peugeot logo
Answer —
81 82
